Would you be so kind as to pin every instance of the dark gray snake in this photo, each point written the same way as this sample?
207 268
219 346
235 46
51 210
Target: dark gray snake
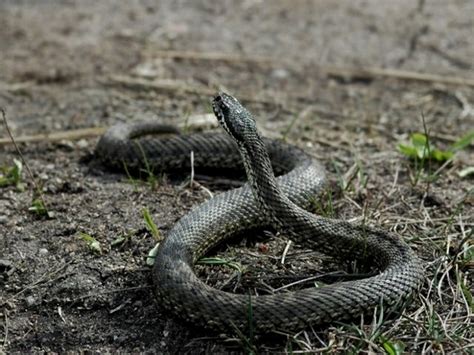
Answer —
266 201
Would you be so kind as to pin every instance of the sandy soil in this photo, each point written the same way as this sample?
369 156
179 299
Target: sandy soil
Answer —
77 64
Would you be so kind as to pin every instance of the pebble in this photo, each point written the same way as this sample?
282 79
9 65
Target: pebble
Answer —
384 119
43 251
82 143
31 301
280 73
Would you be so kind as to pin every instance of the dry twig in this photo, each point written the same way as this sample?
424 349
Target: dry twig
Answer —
363 73
57 136
372 73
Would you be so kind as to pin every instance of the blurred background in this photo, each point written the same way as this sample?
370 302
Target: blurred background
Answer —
76 54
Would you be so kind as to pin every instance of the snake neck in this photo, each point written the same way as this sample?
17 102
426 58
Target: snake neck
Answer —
265 188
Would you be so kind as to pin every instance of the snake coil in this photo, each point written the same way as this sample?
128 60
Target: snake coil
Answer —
266 201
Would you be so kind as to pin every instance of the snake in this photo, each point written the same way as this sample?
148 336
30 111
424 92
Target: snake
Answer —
282 181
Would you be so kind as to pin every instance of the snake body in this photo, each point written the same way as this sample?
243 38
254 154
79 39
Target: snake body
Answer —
266 201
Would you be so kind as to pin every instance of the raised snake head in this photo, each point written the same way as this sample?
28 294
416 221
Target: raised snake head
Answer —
233 117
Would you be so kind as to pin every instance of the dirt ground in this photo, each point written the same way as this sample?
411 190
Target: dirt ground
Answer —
68 65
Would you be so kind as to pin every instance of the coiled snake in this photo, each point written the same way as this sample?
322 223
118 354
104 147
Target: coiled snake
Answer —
266 201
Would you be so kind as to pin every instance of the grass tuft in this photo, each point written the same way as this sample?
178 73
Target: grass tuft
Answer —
11 175
155 232
92 243
38 202
38 207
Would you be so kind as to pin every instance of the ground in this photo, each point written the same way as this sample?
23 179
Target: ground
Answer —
336 79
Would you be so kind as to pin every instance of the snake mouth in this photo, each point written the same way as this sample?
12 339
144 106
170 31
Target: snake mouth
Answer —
215 109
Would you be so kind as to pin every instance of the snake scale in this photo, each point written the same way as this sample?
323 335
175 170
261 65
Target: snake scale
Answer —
266 201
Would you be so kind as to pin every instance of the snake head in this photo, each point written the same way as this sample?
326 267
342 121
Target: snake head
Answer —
233 117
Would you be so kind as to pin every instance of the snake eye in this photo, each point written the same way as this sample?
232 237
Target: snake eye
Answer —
223 106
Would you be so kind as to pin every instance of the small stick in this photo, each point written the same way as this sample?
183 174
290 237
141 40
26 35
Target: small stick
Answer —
57 136
287 247
195 121
299 282
371 73
191 180
368 72
211 56
174 87
5 328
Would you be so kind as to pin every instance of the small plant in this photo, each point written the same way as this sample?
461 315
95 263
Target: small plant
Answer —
354 179
323 205
466 291
247 342
131 180
392 347
11 175
151 178
38 207
288 128
422 149
155 232
186 126
92 243
122 239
